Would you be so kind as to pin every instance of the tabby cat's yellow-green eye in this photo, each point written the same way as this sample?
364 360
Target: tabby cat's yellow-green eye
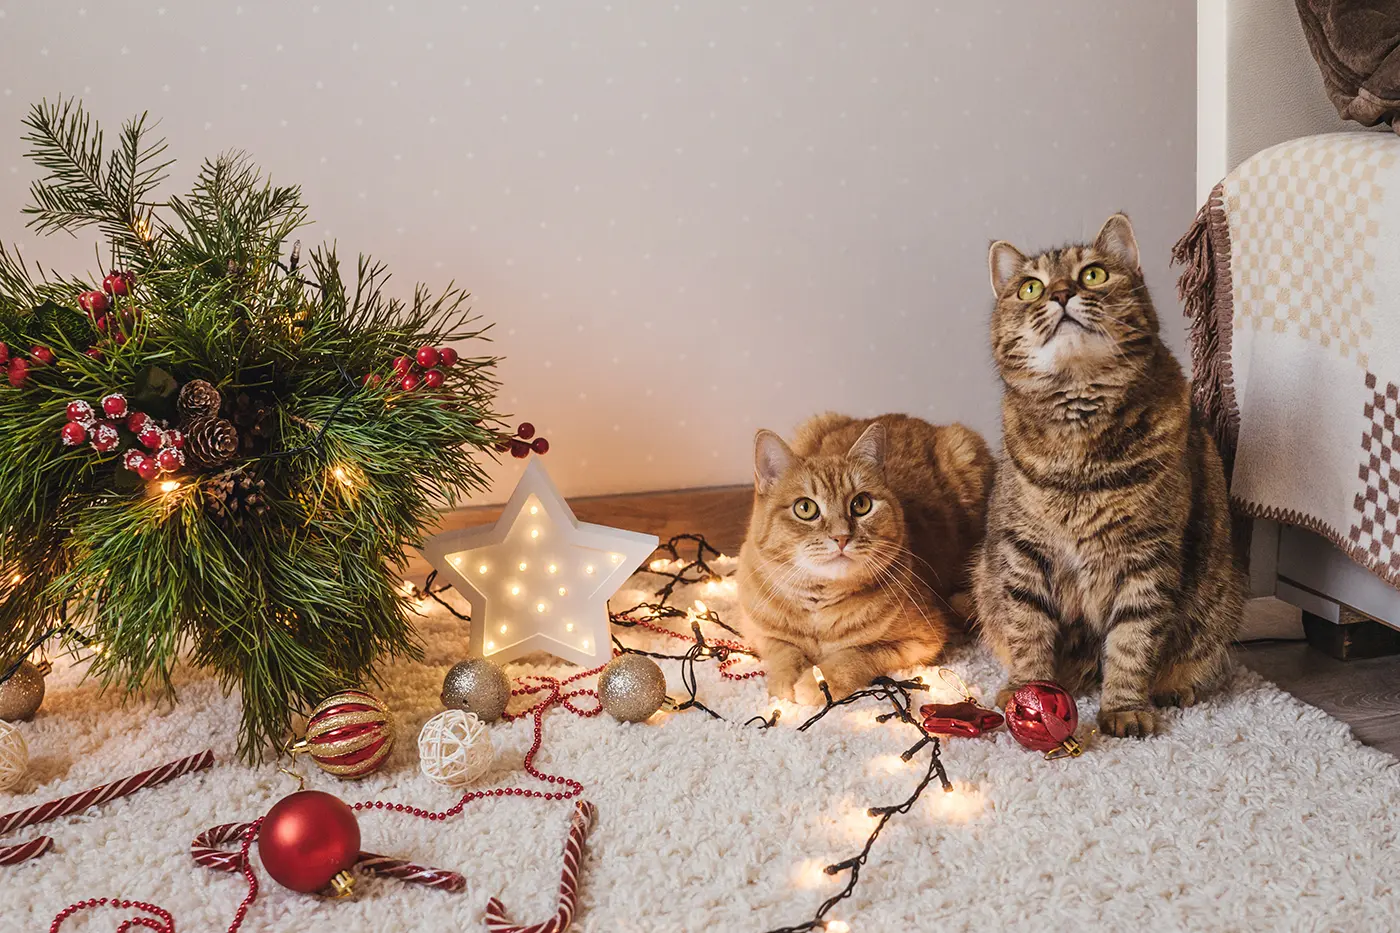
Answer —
861 504
805 509
1093 275
1031 289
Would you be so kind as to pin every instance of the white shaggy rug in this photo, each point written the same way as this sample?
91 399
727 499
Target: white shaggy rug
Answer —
1253 812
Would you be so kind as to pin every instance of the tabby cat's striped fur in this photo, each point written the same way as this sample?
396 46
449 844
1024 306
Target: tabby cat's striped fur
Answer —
1107 555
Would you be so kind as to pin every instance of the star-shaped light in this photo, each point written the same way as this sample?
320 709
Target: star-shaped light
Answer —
539 579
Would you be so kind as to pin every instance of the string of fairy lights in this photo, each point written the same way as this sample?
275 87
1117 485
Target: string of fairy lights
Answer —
674 570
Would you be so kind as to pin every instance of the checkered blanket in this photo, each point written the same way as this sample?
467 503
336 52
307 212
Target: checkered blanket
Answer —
1292 282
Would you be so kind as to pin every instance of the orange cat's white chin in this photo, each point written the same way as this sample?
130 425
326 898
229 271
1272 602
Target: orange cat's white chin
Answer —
831 566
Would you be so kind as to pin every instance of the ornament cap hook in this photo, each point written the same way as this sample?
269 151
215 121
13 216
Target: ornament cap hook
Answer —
1069 748
343 885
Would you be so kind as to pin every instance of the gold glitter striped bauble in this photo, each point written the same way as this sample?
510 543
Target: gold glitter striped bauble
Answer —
349 734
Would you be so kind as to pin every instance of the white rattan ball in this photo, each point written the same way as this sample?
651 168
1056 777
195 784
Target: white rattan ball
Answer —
14 756
454 748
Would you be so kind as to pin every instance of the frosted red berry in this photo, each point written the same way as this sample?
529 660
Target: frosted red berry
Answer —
526 430
114 405
136 421
147 468
93 302
447 357
175 439
170 459
73 434
79 410
428 357
410 382
433 378
539 445
151 437
104 437
18 372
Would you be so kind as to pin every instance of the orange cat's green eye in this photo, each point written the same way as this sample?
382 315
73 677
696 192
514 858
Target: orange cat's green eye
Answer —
1093 275
805 509
1031 289
862 504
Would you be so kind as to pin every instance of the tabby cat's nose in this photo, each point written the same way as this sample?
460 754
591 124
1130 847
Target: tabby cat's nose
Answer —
841 541
1062 295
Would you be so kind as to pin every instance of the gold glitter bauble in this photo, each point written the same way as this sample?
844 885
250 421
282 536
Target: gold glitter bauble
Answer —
477 686
631 688
21 695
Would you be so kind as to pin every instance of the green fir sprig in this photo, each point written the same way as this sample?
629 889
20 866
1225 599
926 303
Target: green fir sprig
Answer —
305 597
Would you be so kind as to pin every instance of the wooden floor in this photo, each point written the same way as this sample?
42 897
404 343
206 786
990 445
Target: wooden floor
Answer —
1363 694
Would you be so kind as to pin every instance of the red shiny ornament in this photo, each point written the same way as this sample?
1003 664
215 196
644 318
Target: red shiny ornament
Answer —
309 841
447 357
18 372
117 283
93 302
433 378
525 431
964 718
151 437
410 381
73 434
114 405
427 357
519 449
539 445
1042 716
41 355
349 734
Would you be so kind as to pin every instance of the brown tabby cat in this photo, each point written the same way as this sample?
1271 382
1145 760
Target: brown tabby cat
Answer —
1107 552
860 537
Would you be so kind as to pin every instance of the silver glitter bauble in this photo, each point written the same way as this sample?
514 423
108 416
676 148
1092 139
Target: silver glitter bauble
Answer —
477 686
21 695
631 688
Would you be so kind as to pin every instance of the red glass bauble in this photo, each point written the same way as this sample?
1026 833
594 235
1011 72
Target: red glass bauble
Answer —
964 719
349 734
1042 716
308 839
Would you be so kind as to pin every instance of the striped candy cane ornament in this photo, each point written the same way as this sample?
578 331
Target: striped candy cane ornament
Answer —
585 814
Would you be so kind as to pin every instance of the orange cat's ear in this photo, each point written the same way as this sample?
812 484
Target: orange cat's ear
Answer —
1117 240
1005 261
771 459
870 446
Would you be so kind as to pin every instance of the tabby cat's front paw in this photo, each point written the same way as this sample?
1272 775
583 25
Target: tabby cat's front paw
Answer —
1183 697
1124 723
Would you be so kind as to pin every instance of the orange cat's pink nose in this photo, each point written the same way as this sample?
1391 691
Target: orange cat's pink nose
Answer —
841 541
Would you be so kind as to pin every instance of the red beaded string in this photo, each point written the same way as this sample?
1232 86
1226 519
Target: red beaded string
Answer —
163 921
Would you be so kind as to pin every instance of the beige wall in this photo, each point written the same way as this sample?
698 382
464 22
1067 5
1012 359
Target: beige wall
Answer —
689 219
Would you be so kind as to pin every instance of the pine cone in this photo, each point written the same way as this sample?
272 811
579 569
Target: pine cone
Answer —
210 441
199 399
234 495
249 415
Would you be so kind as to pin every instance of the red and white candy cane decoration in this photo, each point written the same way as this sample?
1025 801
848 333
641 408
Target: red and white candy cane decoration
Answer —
76 803
205 851
584 815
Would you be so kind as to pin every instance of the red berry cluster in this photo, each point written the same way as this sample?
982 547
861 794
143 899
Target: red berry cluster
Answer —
97 304
521 445
424 368
103 435
18 367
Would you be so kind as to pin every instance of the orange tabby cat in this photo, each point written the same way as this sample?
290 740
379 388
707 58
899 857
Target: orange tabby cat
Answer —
860 537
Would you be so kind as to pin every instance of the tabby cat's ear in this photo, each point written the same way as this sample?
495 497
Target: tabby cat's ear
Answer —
1005 261
1117 240
870 446
771 459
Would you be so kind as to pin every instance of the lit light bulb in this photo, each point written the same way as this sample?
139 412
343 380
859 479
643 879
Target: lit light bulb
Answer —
490 646
515 591
817 673
568 626
341 476
169 486
481 569
700 608
456 561
614 557
563 591
585 644
837 926
539 607
659 565
534 532
503 629
17 578
523 565
534 510
553 568
588 569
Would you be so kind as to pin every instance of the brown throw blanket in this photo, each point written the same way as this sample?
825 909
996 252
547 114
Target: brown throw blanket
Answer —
1357 46
1292 284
